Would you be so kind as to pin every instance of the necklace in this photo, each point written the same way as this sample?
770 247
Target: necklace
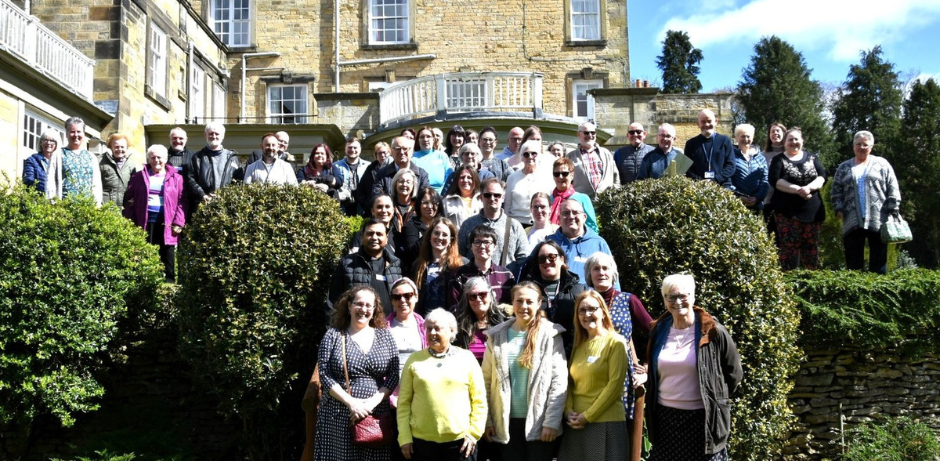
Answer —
436 354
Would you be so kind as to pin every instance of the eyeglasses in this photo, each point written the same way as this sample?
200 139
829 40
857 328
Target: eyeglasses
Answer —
588 310
528 154
382 152
400 149
477 296
635 132
405 296
53 141
492 196
548 259
588 133
561 174
570 214
487 140
483 243
363 306
683 297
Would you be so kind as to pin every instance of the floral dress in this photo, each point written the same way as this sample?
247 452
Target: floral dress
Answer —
77 172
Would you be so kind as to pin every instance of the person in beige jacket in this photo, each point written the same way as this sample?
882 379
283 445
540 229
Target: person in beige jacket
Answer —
526 378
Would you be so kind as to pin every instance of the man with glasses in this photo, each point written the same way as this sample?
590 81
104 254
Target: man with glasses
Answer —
630 157
578 240
373 264
490 161
505 251
482 243
655 163
515 142
594 168
402 150
712 153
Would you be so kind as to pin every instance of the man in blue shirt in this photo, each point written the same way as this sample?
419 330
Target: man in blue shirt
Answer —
655 163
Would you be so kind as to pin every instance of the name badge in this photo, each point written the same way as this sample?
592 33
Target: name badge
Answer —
580 259
592 358
709 175
380 277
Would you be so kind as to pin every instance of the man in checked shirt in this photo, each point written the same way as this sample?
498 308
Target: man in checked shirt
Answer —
594 168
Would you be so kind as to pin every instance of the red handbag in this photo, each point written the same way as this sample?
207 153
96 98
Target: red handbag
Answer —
371 431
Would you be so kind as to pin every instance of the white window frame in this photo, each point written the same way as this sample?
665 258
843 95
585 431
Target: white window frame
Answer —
469 93
298 100
580 88
231 21
382 11
197 94
585 20
157 60
34 124
218 101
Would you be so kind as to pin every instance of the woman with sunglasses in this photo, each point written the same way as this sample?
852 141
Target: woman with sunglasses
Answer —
547 268
563 174
406 325
525 182
477 311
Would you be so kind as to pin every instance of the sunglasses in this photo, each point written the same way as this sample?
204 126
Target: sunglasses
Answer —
492 196
561 174
477 296
530 154
590 133
543 259
405 296
635 132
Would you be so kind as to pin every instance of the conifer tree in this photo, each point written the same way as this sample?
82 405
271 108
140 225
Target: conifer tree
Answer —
870 99
679 64
777 87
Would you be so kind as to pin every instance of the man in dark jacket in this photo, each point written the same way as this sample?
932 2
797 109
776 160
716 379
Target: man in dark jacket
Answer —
712 154
373 265
212 168
402 150
179 154
630 157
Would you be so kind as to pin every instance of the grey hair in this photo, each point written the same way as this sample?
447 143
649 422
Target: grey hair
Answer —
531 146
51 134
668 127
744 128
681 281
157 149
400 177
864 135
442 318
73 121
603 259
215 126
469 146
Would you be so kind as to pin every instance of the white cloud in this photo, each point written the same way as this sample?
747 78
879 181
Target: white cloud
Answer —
841 28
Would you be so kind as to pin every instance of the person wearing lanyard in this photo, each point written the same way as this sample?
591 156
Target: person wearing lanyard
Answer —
712 153
269 168
559 284
576 239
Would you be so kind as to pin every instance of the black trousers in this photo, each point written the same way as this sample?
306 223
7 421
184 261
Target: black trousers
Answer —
520 449
155 236
854 243
433 451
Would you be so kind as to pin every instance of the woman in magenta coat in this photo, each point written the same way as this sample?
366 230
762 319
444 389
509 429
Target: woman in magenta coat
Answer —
154 201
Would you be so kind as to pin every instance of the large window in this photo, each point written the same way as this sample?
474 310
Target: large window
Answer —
585 20
582 106
231 21
389 22
197 95
33 126
287 104
156 62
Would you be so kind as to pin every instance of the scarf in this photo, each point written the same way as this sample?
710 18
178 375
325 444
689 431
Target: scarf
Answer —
557 199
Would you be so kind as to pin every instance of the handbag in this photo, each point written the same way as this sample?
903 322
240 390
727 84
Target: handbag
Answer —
895 229
372 431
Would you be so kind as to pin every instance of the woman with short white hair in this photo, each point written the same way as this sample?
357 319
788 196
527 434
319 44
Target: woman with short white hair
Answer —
694 368
442 398
750 179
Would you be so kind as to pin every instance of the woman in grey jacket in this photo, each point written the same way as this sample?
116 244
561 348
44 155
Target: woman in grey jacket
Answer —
526 378
864 192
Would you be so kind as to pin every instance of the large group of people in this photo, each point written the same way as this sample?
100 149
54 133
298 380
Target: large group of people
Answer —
478 306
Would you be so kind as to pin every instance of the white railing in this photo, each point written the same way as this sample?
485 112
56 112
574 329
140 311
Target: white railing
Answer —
25 37
461 92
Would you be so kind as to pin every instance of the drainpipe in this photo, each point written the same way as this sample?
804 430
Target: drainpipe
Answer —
241 96
189 77
336 45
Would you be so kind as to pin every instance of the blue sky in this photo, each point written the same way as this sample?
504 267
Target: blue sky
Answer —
827 32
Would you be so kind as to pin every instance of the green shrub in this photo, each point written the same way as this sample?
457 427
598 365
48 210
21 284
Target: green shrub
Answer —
868 310
69 273
671 225
255 266
896 439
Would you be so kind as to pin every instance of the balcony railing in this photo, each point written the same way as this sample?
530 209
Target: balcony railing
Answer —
25 37
439 95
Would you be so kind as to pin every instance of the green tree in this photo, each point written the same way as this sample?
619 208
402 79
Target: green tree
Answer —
777 87
679 64
870 99
916 162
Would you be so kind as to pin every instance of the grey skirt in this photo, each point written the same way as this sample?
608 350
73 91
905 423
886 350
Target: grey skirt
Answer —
596 442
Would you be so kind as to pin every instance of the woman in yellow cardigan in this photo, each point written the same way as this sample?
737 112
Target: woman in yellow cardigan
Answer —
598 366
442 398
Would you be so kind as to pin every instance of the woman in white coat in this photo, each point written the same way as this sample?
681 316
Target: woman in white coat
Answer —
526 378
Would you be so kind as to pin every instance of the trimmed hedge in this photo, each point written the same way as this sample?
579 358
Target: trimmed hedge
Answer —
672 225
69 273
255 266
862 309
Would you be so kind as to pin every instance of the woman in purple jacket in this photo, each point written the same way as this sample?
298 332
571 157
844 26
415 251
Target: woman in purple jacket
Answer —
154 201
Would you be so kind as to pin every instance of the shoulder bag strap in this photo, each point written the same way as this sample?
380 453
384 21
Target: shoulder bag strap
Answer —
502 257
345 368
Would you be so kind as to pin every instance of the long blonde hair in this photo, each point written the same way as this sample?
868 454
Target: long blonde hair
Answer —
532 329
580 333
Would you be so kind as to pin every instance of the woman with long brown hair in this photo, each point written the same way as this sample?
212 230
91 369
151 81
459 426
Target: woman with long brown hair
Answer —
437 258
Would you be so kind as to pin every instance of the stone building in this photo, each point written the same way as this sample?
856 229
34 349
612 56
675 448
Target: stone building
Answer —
325 69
